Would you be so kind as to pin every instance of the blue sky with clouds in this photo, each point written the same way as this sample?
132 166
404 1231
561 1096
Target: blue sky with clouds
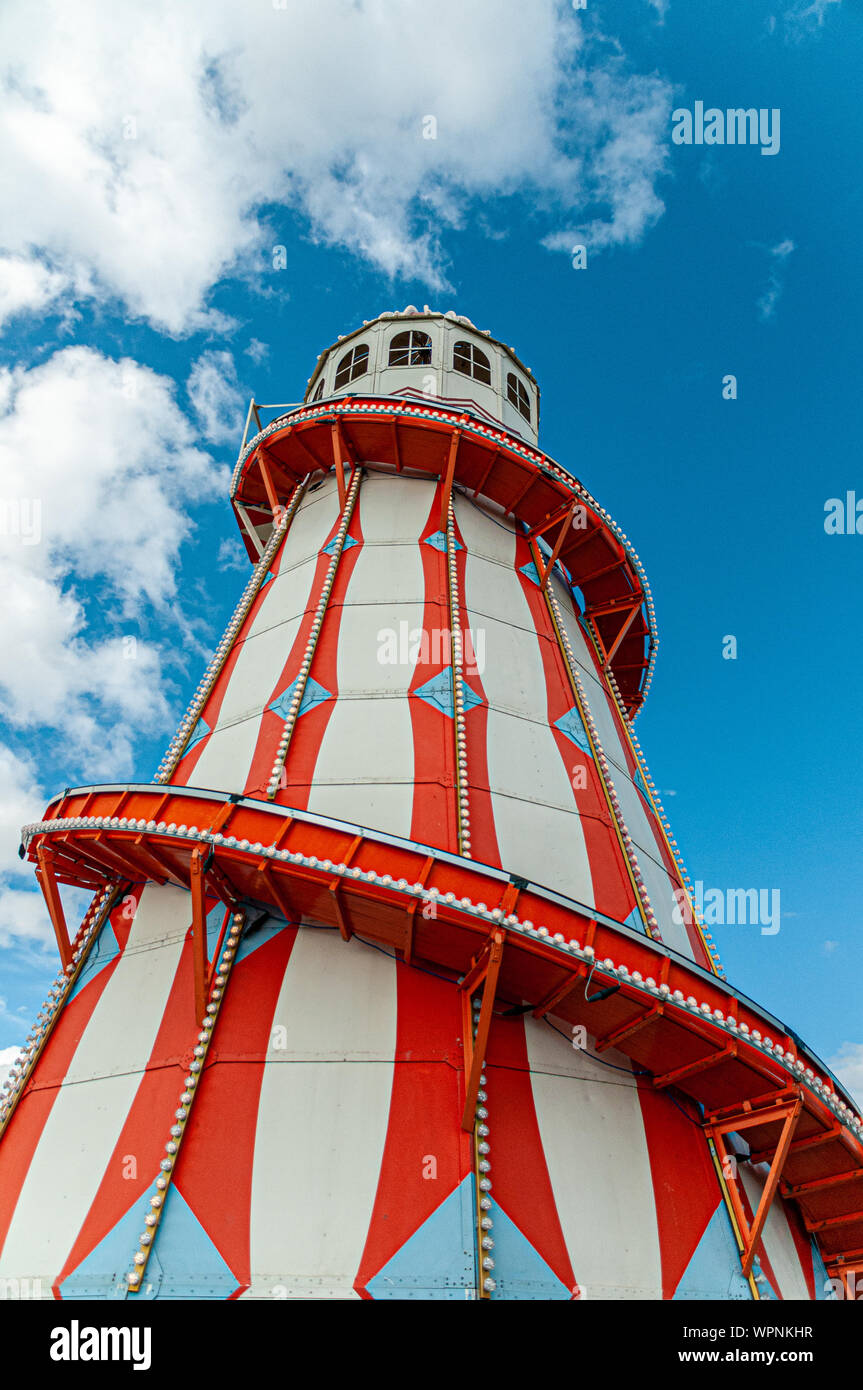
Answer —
154 157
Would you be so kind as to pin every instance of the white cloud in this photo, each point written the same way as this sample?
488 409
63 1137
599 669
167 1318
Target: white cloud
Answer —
23 915
807 16
622 119
27 286
776 283
143 143
215 396
7 1057
661 7
231 555
98 465
847 1064
257 350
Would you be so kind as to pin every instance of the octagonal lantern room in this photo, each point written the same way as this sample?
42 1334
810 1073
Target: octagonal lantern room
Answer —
431 356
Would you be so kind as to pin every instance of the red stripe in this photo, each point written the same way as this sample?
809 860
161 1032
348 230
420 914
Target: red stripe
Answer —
521 1182
424 1119
145 1130
484 845
434 805
24 1130
310 727
214 1170
699 953
684 1179
612 887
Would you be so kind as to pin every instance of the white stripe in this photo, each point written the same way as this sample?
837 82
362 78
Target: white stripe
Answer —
322 1117
227 758
539 831
778 1241
592 1133
365 766
90 1110
639 822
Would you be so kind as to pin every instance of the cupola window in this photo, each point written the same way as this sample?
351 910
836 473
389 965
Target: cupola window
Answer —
354 363
516 394
410 349
470 361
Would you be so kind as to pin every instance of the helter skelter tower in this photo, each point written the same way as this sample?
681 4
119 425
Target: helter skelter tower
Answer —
390 986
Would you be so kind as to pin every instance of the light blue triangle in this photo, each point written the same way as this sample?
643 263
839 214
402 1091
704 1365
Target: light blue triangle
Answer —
200 731
215 919
438 1260
531 572
438 541
572 725
251 940
635 920
519 1271
269 578
714 1269
313 694
184 1264
330 547
106 949
438 693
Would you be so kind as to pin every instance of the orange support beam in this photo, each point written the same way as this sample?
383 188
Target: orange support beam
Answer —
561 536
567 510
339 463
625 626
626 1030
197 881
412 910
670 1078
446 492
789 1112
554 996
487 968
48 884
263 462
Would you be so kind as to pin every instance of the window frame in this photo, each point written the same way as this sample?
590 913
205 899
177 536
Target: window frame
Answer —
410 348
518 396
348 363
474 352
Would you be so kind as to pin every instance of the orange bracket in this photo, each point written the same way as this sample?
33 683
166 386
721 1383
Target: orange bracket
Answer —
263 463
790 1113
625 626
199 863
561 537
485 968
48 883
450 474
338 462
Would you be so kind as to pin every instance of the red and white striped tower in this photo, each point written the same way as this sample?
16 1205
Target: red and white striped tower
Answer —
391 986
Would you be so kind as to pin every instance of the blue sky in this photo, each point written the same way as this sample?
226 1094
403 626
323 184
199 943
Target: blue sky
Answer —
154 162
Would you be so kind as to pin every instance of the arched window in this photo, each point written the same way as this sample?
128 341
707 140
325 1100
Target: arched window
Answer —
411 349
468 360
516 394
354 363
319 390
